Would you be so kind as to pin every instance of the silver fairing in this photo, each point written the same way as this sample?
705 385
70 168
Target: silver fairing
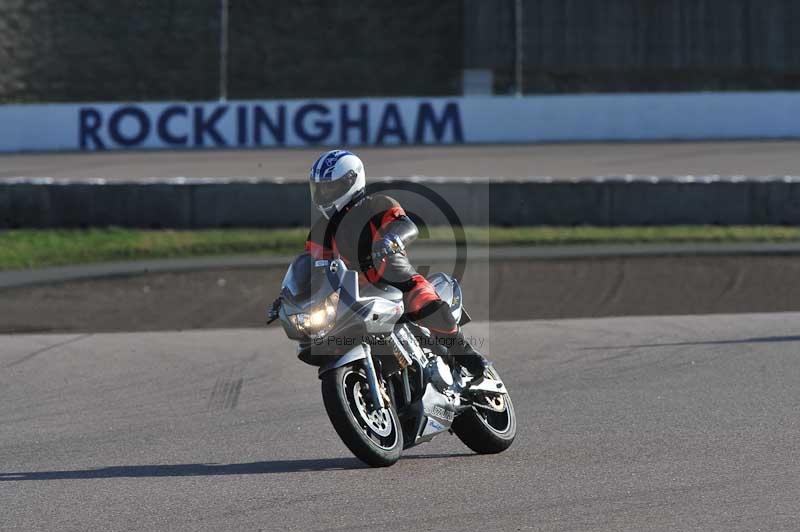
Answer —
450 292
436 414
309 282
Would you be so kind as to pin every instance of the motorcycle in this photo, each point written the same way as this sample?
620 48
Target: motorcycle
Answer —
386 384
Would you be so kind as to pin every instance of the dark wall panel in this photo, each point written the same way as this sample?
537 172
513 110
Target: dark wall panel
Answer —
639 45
90 50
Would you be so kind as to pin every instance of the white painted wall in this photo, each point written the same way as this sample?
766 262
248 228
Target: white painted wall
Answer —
376 121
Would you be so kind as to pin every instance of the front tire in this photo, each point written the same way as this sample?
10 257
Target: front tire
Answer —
488 431
373 437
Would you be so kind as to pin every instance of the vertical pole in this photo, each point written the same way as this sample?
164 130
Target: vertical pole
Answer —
223 50
518 46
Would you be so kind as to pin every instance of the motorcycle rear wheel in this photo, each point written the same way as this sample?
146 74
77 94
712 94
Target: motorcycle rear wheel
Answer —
374 437
486 431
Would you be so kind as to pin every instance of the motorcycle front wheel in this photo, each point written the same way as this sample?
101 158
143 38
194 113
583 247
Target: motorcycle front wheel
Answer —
373 436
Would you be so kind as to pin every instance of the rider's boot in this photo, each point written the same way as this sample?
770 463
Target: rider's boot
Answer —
468 357
438 318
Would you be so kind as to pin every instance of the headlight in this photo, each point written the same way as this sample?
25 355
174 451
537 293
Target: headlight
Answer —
319 320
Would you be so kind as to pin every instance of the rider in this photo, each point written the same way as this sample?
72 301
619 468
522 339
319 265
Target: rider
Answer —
372 233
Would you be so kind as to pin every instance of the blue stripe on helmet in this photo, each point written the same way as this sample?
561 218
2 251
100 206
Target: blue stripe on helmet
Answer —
316 166
326 168
323 165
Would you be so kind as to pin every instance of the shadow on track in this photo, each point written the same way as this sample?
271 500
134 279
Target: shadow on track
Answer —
760 340
199 470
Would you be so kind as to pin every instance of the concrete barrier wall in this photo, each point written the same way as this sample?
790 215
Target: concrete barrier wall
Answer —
264 203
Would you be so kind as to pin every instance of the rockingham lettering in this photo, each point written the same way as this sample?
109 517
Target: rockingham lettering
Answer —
208 125
248 124
276 124
164 131
89 123
136 118
392 125
322 128
360 124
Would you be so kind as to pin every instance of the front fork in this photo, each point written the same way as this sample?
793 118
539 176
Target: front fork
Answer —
372 378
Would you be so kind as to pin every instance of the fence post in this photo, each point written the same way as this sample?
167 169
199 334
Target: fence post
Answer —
518 46
223 50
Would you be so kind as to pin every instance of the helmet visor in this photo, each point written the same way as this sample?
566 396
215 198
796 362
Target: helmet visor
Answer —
325 193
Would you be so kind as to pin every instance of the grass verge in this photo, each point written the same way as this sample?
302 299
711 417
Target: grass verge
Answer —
39 248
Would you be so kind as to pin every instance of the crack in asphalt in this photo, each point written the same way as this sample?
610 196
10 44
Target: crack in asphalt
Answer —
45 349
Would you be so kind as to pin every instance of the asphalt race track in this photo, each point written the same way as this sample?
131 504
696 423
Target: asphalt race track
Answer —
560 161
660 423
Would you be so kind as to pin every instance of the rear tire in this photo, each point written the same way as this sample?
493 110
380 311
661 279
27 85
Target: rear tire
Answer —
485 431
373 437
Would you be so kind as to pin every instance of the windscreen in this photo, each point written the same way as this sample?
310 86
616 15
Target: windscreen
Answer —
307 278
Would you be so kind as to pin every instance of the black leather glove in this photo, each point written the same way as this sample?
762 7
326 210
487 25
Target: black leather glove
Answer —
388 245
275 310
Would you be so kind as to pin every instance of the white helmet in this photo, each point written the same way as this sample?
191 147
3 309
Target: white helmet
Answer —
335 179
